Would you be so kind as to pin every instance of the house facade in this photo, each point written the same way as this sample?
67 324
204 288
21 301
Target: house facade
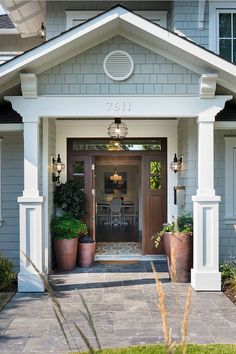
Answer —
164 68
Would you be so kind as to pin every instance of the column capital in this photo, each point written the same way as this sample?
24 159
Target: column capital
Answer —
206 118
30 119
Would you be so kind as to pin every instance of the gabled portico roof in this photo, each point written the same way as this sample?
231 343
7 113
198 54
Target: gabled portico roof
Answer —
118 21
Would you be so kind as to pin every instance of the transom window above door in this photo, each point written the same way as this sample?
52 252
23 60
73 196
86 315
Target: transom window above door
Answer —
227 35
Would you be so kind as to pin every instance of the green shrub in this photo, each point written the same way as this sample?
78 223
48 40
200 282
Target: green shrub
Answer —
71 198
228 271
67 227
7 276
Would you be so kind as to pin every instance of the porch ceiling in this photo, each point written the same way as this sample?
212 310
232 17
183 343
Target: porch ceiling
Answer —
107 25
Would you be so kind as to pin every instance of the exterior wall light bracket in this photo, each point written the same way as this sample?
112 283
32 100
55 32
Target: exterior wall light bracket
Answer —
176 163
58 167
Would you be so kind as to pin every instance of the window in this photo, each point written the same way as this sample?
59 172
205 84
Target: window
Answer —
230 180
227 35
1 220
222 29
74 18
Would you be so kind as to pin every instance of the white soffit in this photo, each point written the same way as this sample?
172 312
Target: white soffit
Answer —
119 21
27 16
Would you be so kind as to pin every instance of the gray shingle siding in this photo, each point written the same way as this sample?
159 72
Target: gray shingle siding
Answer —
12 186
183 17
56 15
84 74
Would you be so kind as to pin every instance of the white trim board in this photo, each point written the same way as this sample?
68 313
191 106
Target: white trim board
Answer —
113 106
15 127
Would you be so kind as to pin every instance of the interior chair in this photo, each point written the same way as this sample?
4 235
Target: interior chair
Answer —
103 215
129 215
115 212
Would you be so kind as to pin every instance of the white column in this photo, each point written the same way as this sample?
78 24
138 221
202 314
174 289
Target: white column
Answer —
31 204
205 275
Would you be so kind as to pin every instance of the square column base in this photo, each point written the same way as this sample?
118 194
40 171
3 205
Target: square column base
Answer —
205 281
30 283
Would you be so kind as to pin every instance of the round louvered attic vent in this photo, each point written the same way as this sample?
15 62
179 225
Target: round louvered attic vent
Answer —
118 65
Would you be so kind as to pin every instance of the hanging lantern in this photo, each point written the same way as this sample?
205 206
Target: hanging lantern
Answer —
117 129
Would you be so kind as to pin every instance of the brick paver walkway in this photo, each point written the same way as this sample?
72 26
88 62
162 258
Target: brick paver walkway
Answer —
122 300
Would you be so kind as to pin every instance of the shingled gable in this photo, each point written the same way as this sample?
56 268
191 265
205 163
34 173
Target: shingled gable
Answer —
118 20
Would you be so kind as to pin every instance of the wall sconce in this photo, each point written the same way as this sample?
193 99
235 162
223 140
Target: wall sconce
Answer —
42 31
58 167
117 129
176 164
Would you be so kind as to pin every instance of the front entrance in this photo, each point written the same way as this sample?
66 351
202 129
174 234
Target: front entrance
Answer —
126 188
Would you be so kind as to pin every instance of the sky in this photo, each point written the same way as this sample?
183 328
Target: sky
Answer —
2 11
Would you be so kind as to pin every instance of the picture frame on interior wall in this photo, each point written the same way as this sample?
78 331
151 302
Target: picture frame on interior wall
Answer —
1 219
230 180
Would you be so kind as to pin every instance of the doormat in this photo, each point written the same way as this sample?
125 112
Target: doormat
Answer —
118 262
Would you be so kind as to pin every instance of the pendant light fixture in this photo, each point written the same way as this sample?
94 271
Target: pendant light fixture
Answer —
115 177
117 129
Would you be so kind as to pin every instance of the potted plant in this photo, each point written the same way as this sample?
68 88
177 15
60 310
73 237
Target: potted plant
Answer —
66 230
86 251
178 246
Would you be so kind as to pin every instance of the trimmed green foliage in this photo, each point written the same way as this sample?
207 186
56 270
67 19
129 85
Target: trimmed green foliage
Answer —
7 276
228 271
71 198
67 227
180 224
160 349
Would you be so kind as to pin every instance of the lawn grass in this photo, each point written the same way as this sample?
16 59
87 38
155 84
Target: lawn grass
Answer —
160 349
5 297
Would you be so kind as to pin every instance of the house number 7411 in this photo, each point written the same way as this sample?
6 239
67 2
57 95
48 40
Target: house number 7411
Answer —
119 106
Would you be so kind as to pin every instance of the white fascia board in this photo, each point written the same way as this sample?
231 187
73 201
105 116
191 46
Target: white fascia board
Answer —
14 127
8 31
225 125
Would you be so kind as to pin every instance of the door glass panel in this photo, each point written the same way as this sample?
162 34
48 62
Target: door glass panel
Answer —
78 168
155 182
225 25
225 49
155 175
78 172
155 167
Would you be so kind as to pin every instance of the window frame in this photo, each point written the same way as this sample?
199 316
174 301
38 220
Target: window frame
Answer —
1 219
230 180
225 11
216 7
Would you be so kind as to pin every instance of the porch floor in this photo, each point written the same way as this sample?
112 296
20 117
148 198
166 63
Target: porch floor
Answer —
122 301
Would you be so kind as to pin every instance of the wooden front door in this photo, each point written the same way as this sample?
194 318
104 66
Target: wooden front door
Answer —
82 167
154 199
153 186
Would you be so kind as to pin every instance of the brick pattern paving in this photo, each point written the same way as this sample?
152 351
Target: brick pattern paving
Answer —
122 300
